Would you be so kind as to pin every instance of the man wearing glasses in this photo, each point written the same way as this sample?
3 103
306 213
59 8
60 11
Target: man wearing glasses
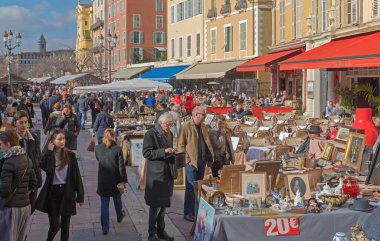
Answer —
194 141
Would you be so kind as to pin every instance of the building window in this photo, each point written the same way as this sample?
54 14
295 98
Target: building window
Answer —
172 14
156 54
180 47
189 9
124 54
189 46
243 35
213 3
213 41
159 5
136 55
282 20
352 16
198 40
137 37
85 23
299 18
124 37
197 7
375 8
159 22
180 11
173 48
159 37
228 38
324 15
136 21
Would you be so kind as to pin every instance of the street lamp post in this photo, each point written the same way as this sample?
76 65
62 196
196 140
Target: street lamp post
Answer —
7 39
112 42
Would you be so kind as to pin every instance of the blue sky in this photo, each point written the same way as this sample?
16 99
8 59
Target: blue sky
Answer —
53 18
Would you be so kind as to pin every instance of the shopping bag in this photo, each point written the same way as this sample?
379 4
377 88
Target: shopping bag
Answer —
91 145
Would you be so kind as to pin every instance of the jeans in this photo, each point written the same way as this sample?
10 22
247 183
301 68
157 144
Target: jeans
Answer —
192 174
156 216
83 118
56 221
94 113
104 210
100 139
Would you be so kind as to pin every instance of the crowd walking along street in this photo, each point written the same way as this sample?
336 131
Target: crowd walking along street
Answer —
190 120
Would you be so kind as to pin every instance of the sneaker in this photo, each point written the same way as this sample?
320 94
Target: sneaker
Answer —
164 236
120 219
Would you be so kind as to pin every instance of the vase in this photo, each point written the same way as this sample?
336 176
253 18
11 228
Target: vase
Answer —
363 121
340 237
351 187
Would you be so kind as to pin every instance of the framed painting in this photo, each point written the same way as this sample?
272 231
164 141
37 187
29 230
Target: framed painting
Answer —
354 151
230 178
342 135
338 154
253 185
179 182
328 151
298 182
205 221
136 155
271 168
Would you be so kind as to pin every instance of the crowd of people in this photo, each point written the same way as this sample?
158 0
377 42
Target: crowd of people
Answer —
64 116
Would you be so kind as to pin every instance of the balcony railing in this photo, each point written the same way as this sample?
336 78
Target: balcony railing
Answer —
226 9
212 13
95 49
241 5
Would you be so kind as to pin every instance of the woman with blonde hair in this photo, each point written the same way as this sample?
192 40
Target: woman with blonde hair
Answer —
111 173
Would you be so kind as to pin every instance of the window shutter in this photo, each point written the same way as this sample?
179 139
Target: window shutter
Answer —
163 37
354 12
132 39
231 43
141 37
314 16
141 53
292 16
154 37
337 13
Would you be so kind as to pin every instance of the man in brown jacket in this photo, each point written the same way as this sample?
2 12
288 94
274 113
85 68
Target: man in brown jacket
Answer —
194 141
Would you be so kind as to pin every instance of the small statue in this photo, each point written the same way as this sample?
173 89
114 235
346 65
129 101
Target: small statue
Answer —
313 206
298 201
326 191
339 188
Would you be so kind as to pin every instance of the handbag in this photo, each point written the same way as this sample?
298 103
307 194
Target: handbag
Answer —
4 201
173 169
91 145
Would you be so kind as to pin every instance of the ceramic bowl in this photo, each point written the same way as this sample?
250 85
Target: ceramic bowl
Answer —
336 200
234 200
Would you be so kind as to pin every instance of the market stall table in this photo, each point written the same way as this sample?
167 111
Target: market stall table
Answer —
313 227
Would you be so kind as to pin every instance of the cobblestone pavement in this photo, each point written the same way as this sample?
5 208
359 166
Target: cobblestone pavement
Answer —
85 226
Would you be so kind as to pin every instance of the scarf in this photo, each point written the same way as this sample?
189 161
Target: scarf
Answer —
14 151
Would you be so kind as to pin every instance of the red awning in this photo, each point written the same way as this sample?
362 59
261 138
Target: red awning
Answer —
350 52
264 62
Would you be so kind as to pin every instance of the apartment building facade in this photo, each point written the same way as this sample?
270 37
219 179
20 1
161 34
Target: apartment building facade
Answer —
99 27
84 40
141 30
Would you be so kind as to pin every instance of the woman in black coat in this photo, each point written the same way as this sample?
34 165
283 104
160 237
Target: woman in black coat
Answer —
62 191
159 153
17 179
111 174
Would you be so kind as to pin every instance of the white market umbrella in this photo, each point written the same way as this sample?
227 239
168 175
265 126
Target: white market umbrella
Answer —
213 83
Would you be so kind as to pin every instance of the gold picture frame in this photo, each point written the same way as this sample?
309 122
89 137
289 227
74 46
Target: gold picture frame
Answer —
354 151
230 178
179 182
342 135
298 181
328 151
253 184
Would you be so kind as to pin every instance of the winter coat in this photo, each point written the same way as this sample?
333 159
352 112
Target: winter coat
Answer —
73 189
121 104
12 170
159 182
102 122
50 124
51 101
71 126
44 106
111 169
151 102
82 103
33 151
188 143
218 146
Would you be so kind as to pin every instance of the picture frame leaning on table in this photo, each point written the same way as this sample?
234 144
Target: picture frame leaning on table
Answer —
354 151
253 185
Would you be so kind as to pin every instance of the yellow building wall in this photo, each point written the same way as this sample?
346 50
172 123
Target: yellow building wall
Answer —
84 41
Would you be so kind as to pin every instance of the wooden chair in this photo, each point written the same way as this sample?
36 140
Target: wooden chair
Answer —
293 128
303 133
231 124
282 118
321 121
247 128
291 121
300 117
278 129
250 118
333 117
259 141
268 115
279 151
264 133
313 121
348 121
324 127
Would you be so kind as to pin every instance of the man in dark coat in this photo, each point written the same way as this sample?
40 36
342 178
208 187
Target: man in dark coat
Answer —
102 122
121 104
24 106
70 124
44 106
159 153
